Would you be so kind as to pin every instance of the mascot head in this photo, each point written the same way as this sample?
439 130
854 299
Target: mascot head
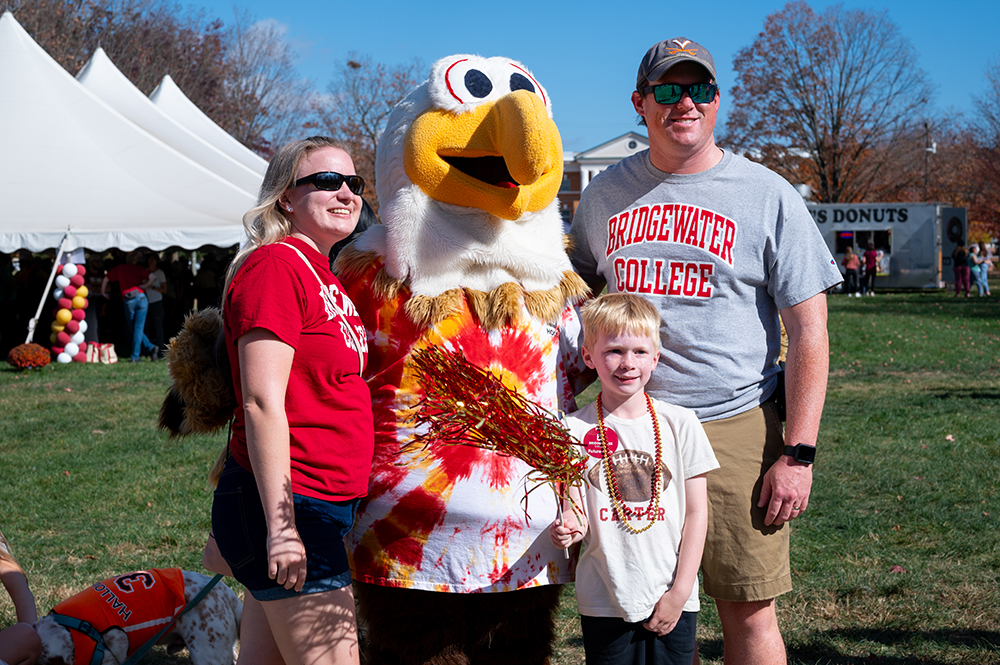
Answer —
467 171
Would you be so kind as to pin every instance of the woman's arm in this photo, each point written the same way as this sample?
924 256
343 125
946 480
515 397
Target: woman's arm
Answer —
265 365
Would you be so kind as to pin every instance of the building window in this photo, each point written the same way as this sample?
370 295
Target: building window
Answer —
565 186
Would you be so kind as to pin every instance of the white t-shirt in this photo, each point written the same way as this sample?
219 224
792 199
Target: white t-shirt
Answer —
159 279
622 574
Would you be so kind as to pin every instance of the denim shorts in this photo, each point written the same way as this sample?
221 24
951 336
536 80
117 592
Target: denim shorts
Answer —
241 532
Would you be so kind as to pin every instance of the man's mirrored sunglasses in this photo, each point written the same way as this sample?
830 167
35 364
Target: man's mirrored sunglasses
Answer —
330 181
671 93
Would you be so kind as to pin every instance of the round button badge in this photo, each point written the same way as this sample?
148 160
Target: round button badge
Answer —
592 442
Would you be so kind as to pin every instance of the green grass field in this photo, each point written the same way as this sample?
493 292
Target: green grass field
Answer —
896 562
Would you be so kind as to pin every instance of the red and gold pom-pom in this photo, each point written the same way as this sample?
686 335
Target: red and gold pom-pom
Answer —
466 405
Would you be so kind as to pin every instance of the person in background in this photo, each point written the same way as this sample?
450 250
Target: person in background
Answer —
871 270
851 262
302 434
131 278
978 267
155 287
960 267
721 245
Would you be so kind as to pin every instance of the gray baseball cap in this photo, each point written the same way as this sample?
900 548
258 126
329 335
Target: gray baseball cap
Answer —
664 55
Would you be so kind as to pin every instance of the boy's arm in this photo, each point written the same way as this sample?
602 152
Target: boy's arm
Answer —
668 609
575 524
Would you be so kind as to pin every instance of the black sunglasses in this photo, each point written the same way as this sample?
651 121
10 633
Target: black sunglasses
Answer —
671 93
330 181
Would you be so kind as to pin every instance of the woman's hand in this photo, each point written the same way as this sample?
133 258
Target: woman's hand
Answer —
286 558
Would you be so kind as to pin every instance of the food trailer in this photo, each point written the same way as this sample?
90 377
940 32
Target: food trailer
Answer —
916 239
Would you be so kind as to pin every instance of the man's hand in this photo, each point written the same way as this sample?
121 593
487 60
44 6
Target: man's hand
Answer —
785 491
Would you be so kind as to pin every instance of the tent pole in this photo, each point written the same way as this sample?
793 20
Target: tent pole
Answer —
52 275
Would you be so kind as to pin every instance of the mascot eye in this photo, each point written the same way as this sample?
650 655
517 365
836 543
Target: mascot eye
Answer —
519 82
479 84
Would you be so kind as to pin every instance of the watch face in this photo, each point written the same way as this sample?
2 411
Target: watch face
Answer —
804 453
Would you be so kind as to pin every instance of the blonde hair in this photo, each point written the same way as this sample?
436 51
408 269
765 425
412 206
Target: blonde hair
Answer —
7 556
266 223
617 313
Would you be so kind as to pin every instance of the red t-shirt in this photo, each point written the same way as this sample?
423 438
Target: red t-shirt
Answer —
128 275
327 403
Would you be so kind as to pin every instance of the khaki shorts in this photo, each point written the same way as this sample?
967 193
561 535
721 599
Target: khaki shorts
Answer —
744 560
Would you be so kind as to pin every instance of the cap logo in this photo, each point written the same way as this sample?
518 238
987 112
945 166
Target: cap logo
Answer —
682 47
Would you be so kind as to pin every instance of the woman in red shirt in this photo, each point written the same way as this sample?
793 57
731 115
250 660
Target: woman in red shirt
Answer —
302 435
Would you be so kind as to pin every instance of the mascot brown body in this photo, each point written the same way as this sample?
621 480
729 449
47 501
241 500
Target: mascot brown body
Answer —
454 565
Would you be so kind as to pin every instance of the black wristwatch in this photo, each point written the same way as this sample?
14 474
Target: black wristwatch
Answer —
803 453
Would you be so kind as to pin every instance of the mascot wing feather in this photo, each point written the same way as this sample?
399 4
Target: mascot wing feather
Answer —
467 171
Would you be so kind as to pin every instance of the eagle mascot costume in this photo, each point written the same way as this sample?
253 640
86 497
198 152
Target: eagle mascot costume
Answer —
451 554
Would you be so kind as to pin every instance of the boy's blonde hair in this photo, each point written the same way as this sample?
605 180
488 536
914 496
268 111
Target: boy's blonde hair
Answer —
617 313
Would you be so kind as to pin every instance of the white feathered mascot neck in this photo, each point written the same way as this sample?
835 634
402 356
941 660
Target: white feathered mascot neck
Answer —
467 174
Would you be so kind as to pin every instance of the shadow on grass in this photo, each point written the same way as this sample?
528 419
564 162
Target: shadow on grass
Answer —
820 651
966 393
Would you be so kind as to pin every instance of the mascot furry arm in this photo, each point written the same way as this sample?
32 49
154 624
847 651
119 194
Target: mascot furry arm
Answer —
470 257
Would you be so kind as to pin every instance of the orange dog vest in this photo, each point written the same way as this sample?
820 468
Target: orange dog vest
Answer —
139 603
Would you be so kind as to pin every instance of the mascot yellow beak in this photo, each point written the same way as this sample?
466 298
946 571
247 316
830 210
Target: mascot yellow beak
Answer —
503 157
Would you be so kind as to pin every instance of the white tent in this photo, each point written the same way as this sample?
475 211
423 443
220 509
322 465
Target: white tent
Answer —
103 79
172 101
70 165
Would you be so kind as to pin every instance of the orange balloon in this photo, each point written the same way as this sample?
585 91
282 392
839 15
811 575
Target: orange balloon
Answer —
64 316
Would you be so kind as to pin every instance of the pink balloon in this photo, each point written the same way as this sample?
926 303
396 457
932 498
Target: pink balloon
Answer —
83 347
81 269
73 326
57 350
80 314
69 291
62 339
76 280
81 357
65 303
59 269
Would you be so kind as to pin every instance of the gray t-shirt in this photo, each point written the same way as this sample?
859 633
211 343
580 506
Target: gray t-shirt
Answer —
718 253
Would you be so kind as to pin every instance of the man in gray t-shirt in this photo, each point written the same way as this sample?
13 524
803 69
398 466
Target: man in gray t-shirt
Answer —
721 246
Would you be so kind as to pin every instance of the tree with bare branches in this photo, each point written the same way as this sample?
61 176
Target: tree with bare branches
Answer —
830 100
362 96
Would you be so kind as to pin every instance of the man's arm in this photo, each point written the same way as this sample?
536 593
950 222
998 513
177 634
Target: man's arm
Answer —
787 483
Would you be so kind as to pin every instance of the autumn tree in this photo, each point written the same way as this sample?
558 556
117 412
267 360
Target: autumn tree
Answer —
986 214
832 100
144 39
362 95
268 103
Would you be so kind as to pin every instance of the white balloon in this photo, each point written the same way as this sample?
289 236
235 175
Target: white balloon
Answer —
71 349
64 358
62 281
69 270
77 339
83 326
57 294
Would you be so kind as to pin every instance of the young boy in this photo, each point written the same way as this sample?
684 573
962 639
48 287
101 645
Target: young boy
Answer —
645 498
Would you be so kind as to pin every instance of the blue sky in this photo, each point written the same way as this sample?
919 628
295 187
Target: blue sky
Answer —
586 52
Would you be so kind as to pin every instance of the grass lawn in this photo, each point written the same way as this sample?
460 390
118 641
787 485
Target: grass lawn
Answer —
897 560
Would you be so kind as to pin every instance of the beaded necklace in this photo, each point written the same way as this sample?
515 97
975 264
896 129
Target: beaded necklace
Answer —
616 497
